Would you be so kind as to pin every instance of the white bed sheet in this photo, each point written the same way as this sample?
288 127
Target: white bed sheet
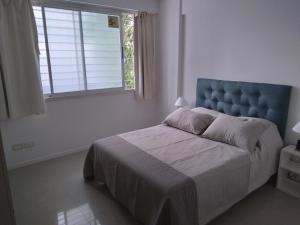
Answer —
264 161
227 166
221 172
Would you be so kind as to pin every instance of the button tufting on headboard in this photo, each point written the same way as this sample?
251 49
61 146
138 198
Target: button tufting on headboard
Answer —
268 101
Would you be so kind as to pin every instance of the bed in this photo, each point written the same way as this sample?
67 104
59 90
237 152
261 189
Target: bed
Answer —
164 175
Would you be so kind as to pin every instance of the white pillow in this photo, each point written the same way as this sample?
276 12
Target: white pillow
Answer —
189 121
206 111
238 131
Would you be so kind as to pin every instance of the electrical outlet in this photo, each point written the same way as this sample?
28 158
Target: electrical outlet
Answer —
23 146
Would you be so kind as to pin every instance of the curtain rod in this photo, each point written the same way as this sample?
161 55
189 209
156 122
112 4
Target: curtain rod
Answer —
57 2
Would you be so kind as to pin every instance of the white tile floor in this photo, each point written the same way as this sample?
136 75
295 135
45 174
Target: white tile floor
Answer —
54 193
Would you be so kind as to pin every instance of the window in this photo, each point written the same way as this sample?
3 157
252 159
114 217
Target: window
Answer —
84 50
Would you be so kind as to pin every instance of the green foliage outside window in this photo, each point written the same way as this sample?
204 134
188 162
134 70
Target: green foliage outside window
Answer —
128 45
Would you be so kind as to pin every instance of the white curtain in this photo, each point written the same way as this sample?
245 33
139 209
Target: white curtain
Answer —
145 34
20 84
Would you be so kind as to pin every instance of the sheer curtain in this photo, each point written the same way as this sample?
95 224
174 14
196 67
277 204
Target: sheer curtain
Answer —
145 34
20 84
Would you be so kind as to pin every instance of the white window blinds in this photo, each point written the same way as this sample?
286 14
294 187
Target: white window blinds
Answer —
79 50
102 46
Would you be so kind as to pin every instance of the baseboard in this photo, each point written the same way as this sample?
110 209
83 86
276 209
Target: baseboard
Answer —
48 157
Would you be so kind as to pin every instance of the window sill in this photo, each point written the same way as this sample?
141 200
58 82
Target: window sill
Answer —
80 94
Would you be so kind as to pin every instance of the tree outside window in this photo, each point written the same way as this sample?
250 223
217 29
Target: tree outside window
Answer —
128 45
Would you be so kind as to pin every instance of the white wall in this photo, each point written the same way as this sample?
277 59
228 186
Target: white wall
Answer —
73 124
169 28
257 40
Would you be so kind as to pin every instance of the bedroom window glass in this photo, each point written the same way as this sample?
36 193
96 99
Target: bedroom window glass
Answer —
82 50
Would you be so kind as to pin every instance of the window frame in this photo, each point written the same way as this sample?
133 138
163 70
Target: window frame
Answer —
83 7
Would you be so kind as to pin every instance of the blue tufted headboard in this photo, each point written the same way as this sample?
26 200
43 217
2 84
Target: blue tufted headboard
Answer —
267 101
